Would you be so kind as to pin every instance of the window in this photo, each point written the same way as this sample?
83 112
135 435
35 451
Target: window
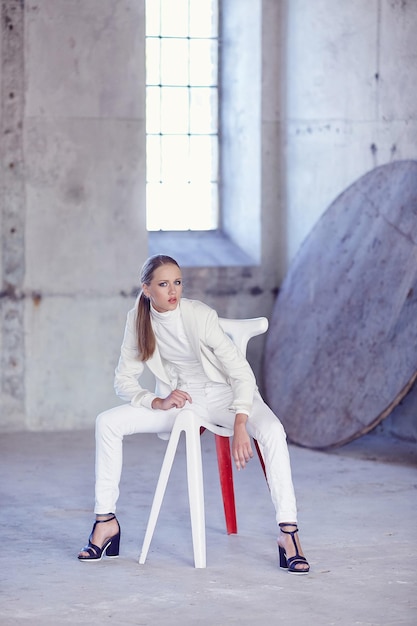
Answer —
228 144
182 115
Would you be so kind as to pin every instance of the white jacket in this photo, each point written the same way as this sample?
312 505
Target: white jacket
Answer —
222 361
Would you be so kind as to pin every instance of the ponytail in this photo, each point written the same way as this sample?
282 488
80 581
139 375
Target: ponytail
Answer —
144 332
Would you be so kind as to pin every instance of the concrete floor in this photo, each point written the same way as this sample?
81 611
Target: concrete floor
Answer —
357 516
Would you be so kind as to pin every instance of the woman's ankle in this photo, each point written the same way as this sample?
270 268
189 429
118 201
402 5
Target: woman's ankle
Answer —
105 517
288 526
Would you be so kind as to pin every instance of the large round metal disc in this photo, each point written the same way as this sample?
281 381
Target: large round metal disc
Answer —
341 351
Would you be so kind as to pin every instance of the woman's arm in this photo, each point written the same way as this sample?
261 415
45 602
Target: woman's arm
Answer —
242 382
130 368
233 363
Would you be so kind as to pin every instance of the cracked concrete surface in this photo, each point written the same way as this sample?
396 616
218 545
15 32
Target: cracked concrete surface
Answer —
357 517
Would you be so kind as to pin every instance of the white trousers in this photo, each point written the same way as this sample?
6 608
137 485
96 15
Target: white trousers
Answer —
211 402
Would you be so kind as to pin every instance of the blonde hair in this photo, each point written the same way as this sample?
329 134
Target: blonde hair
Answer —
144 333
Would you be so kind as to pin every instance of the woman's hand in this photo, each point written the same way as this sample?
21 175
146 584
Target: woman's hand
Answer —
176 399
241 446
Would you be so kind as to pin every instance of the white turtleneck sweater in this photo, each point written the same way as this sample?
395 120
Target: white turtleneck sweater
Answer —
175 348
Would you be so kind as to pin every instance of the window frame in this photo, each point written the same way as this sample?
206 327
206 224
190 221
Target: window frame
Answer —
237 241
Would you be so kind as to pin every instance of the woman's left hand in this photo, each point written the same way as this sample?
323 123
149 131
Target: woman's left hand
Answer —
241 445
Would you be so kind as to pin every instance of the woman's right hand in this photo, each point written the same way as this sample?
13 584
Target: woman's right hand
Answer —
176 399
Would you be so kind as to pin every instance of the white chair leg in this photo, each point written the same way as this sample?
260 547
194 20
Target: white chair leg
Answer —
188 422
195 489
160 489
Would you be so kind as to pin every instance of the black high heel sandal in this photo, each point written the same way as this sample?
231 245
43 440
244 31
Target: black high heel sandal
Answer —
291 563
110 547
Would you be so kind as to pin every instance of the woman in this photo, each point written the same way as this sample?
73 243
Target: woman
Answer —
195 365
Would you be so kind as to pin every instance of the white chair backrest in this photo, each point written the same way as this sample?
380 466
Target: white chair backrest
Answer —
241 330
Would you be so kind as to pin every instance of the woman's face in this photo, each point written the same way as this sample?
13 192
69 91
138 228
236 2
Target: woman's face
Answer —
165 288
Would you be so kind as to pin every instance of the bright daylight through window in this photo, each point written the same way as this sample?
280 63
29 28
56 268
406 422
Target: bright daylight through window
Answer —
182 114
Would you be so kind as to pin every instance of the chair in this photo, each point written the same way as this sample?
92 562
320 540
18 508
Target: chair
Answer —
240 331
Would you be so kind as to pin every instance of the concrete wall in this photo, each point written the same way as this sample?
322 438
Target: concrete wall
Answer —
72 203
350 99
337 98
349 105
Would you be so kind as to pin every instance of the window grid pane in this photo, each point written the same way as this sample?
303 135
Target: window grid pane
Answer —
174 62
182 114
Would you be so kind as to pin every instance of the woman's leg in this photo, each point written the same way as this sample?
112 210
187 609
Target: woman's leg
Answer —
266 428
111 427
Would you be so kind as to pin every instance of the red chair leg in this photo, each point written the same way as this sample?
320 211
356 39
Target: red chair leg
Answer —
226 482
